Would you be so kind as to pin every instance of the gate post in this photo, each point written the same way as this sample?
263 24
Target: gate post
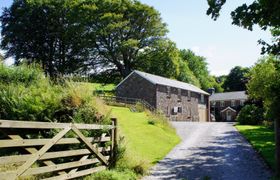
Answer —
114 136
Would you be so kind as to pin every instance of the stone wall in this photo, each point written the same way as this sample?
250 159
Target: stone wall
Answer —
137 87
188 102
165 99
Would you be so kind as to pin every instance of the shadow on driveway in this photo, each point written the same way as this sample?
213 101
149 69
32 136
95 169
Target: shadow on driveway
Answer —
218 152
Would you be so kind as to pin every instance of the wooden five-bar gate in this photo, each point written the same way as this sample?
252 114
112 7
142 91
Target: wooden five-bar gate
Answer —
46 150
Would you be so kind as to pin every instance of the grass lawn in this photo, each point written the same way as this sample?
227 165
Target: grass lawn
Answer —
98 86
262 139
144 141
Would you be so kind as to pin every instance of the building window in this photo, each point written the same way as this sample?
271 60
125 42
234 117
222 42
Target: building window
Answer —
168 92
232 103
175 110
213 103
202 98
180 110
241 102
179 95
222 103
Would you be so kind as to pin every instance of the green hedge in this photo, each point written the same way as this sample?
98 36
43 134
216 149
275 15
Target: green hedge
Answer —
250 115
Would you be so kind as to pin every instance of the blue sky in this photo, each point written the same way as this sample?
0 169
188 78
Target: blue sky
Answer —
224 45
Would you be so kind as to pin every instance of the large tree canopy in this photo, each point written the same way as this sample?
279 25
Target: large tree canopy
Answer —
162 58
236 80
264 13
199 67
264 85
49 32
69 35
121 29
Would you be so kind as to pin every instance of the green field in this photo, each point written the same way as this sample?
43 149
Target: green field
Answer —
97 86
146 142
262 139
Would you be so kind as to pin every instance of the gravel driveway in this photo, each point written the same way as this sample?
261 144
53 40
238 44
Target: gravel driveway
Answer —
210 151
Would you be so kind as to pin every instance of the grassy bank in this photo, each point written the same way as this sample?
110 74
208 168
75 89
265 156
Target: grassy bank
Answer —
147 139
145 142
262 139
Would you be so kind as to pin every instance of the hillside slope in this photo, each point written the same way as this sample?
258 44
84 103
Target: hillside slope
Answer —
145 141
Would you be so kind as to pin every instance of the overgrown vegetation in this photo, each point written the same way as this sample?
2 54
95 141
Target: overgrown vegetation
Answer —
262 139
26 94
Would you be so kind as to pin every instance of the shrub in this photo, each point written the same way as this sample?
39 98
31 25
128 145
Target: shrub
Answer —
26 94
151 122
141 168
250 115
20 74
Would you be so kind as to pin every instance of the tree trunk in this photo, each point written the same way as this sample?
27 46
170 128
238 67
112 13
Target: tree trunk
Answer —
124 70
127 71
277 143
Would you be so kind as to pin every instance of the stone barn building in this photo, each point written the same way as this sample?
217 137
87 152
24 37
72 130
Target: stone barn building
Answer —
179 101
226 106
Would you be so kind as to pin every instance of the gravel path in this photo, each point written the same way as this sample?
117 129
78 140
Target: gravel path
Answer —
210 151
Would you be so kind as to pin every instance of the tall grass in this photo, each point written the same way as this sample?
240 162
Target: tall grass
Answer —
27 94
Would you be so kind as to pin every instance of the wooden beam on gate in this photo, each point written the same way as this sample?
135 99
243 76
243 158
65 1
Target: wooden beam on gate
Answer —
39 142
40 153
17 158
47 125
89 145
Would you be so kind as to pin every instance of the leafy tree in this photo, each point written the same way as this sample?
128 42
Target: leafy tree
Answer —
236 80
275 47
161 59
186 75
198 65
73 35
120 30
49 32
265 13
264 85
214 83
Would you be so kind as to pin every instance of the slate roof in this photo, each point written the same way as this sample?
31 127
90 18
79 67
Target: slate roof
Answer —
228 96
167 82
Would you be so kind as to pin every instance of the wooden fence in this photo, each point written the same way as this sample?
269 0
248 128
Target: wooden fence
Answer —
54 150
127 101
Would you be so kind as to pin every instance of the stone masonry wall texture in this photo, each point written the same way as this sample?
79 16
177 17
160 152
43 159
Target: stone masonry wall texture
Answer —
189 103
137 87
